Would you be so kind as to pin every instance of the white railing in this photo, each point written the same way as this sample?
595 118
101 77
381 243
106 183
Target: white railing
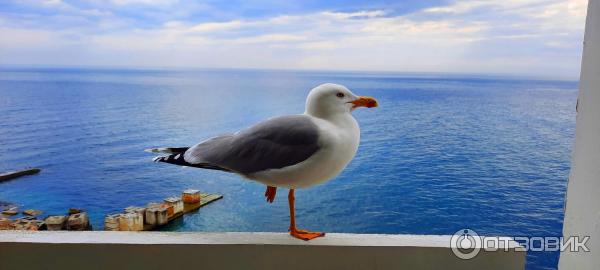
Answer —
176 250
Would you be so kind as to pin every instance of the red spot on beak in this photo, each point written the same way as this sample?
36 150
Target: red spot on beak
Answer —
368 102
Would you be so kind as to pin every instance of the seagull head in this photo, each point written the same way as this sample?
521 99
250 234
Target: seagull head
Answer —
330 99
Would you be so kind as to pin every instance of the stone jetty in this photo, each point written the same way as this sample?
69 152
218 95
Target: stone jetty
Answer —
12 175
134 218
76 221
158 214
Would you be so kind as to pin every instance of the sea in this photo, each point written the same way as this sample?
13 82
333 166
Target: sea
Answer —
442 152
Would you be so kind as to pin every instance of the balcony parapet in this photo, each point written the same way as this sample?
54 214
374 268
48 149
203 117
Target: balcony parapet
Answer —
238 250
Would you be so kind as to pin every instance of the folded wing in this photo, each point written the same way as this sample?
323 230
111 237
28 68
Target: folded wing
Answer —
273 144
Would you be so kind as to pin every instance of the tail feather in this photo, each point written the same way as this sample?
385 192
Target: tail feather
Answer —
178 159
168 150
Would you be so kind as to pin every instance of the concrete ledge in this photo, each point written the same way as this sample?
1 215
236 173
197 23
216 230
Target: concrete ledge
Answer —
160 250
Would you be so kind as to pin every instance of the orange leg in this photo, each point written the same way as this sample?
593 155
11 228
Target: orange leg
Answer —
270 193
300 234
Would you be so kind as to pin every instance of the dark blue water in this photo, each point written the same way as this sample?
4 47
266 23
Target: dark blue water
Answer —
441 152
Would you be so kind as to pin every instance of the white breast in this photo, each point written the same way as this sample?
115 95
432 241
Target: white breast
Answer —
338 140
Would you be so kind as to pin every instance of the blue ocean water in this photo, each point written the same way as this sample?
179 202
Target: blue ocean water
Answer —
441 153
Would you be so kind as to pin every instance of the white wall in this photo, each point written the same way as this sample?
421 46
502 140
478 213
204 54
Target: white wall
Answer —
582 215
162 250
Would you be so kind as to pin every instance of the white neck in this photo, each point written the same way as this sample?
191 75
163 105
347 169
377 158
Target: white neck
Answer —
342 119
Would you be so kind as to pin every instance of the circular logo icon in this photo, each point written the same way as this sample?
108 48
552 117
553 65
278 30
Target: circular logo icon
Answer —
465 244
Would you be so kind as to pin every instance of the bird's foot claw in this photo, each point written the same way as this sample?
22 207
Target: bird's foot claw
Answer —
306 235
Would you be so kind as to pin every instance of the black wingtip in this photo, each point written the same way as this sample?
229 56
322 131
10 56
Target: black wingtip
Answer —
178 159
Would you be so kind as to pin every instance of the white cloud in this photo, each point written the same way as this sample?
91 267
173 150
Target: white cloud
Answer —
512 36
269 38
458 8
216 26
143 2
353 15
53 2
318 45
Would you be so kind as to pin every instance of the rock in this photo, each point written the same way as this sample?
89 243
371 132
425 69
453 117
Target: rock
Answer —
6 224
4 205
11 211
32 212
73 211
21 224
56 223
78 222
29 225
111 222
40 225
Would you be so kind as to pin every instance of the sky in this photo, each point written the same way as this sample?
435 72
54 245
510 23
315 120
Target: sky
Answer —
518 37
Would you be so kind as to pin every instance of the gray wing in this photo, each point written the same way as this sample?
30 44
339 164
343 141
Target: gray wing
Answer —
273 144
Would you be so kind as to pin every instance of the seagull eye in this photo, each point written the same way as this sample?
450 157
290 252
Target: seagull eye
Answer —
340 95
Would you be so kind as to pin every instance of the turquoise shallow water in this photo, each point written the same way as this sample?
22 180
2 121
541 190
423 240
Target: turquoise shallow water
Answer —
441 153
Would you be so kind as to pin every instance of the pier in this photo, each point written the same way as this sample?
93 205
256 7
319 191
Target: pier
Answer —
134 218
158 214
12 175
205 199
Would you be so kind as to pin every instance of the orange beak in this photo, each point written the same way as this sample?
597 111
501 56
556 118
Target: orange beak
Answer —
368 102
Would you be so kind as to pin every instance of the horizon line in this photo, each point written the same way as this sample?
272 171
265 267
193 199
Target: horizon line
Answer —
549 77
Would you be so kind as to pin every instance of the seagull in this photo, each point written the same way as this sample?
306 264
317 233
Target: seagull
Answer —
293 151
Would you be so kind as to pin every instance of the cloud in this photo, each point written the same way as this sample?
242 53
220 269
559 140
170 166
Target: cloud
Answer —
512 36
354 15
269 39
143 2
216 26
457 8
